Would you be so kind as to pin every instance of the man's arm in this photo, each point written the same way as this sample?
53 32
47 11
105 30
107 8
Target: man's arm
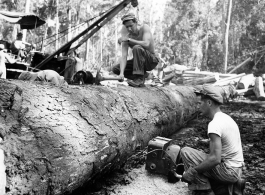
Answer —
26 43
147 37
214 158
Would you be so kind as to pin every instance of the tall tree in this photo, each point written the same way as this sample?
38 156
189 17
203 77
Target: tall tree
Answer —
27 8
226 20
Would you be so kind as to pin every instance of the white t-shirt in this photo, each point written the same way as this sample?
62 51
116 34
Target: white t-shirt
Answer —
225 127
19 44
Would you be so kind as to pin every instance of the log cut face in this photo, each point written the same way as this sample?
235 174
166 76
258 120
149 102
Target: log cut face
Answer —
56 139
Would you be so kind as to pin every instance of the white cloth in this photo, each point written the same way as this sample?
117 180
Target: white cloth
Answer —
19 44
4 57
2 65
44 75
51 76
225 127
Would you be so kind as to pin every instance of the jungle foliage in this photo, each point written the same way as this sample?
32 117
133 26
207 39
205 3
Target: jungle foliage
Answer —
187 32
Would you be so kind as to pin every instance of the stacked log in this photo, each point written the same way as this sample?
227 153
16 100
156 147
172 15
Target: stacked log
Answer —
56 139
201 81
188 77
259 89
245 84
229 80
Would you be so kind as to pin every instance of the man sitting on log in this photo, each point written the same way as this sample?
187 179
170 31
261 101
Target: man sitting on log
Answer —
221 168
140 39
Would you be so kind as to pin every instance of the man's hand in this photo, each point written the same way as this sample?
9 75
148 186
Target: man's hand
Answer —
189 176
123 39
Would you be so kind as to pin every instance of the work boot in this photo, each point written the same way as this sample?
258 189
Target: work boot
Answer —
239 187
137 82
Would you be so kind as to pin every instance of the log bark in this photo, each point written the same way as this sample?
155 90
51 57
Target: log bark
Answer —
56 139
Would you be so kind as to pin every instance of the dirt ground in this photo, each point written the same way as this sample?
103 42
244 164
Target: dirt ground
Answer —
133 179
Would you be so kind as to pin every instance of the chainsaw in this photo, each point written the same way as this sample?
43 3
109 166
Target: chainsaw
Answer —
163 157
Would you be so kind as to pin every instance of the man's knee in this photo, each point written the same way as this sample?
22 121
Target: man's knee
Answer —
116 69
185 151
137 48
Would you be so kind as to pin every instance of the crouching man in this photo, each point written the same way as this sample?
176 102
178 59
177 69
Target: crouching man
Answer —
223 165
140 39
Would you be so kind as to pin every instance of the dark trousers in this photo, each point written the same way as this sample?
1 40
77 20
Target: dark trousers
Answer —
142 61
222 176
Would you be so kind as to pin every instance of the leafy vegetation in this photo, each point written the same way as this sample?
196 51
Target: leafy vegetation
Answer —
187 32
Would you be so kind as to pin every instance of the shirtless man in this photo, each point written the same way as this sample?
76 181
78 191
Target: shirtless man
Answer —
3 57
140 39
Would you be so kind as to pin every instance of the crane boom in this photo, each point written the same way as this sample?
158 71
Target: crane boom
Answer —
93 28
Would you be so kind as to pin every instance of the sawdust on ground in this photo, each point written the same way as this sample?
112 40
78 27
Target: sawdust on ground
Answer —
144 183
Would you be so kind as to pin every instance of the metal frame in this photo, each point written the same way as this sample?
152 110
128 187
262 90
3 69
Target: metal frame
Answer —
93 28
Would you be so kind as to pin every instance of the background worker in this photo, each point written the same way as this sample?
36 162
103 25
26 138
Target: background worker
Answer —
225 161
140 39
3 58
18 47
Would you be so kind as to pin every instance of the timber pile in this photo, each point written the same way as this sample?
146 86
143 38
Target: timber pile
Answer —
245 84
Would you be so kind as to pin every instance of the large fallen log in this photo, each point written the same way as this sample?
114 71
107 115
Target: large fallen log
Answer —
56 139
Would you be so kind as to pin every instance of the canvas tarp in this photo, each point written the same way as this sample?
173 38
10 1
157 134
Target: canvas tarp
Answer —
26 20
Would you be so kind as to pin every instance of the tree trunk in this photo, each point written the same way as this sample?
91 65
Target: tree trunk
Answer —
26 11
259 89
57 139
46 27
206 45
87 56
101 46
116 41
69 15
57 26
226 36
